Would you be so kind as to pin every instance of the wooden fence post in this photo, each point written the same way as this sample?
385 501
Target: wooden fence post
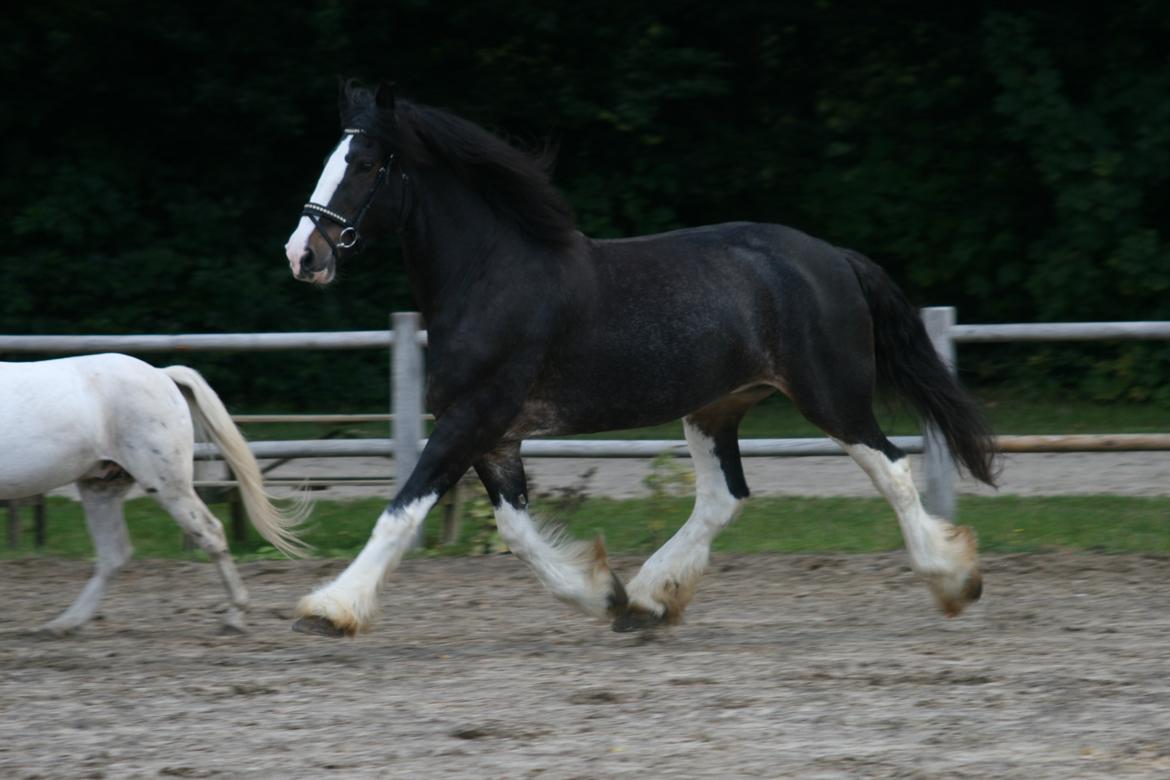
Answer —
936 458
406 399
13 524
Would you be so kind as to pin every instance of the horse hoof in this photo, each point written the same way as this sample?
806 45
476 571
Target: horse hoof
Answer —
315 624
635 618
952 601
617 602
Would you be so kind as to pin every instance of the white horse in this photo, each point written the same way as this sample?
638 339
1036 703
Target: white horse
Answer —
108 421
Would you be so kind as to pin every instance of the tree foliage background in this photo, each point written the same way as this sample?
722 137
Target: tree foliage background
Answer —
1012 160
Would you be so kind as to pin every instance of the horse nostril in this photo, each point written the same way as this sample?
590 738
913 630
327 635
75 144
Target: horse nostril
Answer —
307 260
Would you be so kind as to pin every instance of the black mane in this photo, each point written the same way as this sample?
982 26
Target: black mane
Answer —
513 182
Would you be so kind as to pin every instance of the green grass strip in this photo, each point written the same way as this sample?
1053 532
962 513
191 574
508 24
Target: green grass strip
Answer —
777 525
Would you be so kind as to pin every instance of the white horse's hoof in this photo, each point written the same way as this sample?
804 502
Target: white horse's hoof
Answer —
55 630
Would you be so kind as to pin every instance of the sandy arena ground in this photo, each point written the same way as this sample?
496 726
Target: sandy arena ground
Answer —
788 666
795 666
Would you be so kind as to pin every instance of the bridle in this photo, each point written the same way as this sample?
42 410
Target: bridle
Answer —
349 236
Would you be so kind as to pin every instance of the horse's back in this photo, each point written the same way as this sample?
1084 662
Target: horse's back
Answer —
59 418
74 383
730 269
768 241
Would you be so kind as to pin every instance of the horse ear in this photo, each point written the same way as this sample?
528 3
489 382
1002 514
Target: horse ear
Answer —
384 96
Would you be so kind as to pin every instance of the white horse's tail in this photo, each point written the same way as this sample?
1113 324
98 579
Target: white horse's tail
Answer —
274 525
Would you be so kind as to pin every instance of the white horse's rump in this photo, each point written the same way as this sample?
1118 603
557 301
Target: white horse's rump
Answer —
107 421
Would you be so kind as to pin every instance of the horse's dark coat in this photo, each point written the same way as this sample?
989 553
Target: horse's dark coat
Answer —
535 329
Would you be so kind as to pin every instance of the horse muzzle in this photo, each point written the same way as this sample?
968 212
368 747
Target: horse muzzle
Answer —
313 270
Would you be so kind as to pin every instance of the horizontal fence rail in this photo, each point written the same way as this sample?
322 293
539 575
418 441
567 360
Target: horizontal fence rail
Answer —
304 483
382 339
327 419
1106 442
205 342
330 419
649 448
550 448
1060 331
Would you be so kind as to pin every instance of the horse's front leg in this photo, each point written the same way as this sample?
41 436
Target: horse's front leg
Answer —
667 581
348 604
574 571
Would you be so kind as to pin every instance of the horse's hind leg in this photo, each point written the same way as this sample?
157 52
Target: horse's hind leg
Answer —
668 579
101 501
575 572
197 520
943 554
836 395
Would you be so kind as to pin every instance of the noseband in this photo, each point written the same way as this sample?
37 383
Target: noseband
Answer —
349 236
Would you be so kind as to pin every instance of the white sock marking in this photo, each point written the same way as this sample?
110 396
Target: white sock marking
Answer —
925 536
352 598
567 567
677 565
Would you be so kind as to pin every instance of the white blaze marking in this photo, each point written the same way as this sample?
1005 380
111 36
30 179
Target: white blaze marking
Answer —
327 185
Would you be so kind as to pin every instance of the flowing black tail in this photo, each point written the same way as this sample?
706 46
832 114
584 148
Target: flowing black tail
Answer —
908 365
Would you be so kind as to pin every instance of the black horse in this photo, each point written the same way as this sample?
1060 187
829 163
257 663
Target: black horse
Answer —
535 330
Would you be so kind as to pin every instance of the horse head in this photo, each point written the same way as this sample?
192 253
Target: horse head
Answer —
361 173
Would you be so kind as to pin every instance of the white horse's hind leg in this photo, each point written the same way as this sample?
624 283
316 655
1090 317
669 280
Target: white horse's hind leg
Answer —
944 554
197 520
102 503
668 579
160 426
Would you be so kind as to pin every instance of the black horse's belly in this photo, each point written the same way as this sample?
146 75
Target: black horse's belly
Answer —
661 367
598 407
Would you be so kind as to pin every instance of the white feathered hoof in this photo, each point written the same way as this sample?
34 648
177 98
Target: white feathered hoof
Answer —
956 590
956 593
336 610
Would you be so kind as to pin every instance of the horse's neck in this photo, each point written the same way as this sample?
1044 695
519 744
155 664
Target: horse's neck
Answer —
453 232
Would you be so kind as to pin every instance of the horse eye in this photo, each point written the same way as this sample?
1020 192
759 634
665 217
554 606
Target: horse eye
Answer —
361 165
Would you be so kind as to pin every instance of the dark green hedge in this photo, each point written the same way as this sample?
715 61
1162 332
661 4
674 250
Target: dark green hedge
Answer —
1012 162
